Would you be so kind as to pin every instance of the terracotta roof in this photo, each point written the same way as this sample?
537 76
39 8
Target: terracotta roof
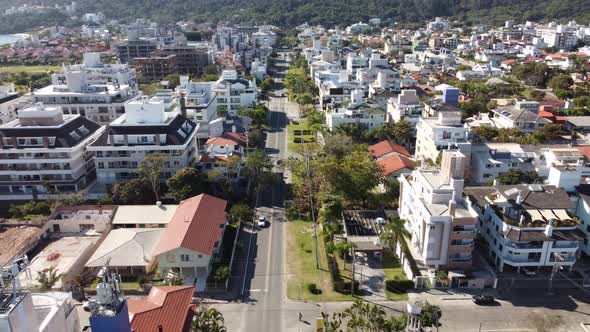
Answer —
395 163
167 306
196 225
546 114
384 147
585 150
230 138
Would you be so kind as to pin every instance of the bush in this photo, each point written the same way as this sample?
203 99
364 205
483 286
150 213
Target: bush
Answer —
313 288
343 287
29 209
399 286
329 248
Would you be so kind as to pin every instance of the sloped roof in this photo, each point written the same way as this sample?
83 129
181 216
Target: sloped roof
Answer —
126 247
395 163
196 225
384 147
230 138
167 306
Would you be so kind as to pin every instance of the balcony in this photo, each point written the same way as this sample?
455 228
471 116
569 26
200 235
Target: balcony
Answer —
524 260
524 246
566 245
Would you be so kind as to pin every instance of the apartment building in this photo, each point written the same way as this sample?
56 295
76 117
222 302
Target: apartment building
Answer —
364 113
405 106
155 68
98 73
101 103
441 225
131 49
145 128
44 152
530 226
189 59
198 103
519 118
234 92
434 134
490 160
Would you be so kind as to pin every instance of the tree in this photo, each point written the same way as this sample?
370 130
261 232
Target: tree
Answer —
150 168
208 320
518 176
29 210
210 70
338 145
394 232
240 212
185 183
267 85
363 316
561 82
173 80
537 95
430 315
304 100
221 273
257 163
485 133
402 131
48 277
553 131
315 120
360 175
258 114
136 191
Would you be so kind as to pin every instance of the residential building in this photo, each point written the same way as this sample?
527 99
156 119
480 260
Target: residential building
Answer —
529 226
101 103
143 216
145 128
189 60
198 103
519 118
434 134
99 73
490 160
166 308
405 106
23 311
10 102
192 240
79 219
583 213
234 92
224 154
386 149
364 113
131 49
442 227
45 152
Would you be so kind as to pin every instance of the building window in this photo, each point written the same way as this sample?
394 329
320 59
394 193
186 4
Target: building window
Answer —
184 258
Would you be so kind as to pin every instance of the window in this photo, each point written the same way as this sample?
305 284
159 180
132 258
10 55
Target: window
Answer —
432 228
184 258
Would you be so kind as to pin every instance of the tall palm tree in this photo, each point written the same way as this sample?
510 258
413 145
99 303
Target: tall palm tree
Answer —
394 232
208 320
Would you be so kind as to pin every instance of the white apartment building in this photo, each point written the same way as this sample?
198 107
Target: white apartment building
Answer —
405 106
558 35
442 227
435 134
234 92
519 118
439 24
531 226
44 152
98 72
101 103
145 128
364 113
490 160
356 61
583 212
10 102
198 103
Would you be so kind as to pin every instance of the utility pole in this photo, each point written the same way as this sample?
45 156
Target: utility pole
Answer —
554 270
315 232
352 283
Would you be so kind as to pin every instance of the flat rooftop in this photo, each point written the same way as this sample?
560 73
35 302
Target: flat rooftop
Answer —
62 90
144 214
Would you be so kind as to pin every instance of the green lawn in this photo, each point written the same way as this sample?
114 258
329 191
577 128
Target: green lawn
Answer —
302 265
295 140
125 285
393 269
28 69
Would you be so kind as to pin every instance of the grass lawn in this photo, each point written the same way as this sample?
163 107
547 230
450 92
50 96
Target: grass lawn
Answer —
28 69
291 137
125 285
392 269
302 265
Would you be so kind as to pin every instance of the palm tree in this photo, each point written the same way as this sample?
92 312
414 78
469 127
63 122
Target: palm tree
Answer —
208 320
48 277
394 232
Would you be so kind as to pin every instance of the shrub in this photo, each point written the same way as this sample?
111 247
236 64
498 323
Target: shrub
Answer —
399 286
313 288
330 248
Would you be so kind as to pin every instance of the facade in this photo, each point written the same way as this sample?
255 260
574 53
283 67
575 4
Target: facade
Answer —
490 160
435 134
45 152
189 60
365 114
155 68
527 225
10 102
192 240
101 103
24 311
219 152
519 118
131 49
199 103
405 106
80 219
442 227
145 128
234 92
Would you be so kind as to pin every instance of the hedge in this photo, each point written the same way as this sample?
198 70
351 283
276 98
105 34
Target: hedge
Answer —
399 286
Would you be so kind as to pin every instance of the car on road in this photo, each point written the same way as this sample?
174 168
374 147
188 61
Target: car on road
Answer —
261 222
528 272
483 299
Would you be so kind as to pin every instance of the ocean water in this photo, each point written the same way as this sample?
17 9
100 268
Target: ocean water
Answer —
9 39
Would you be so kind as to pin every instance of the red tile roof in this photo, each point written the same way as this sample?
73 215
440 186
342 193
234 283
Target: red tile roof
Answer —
167 306
546 114
384 147
585 150
230 138
395 163
196 225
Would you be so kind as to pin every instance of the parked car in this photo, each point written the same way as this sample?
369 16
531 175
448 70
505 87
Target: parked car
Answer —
483 299
261 222
528 272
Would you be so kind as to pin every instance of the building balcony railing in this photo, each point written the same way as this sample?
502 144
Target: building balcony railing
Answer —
524 245
520 260
566 245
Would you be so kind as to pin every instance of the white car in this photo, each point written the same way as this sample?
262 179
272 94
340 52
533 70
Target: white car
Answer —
261 222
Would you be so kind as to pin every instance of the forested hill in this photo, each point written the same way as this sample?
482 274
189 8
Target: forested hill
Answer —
332 12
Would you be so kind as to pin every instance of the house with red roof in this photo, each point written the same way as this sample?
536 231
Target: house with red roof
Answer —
166 308
224 154
193 239
387 148
393 158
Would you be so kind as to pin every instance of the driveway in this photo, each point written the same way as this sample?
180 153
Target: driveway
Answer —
369 271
